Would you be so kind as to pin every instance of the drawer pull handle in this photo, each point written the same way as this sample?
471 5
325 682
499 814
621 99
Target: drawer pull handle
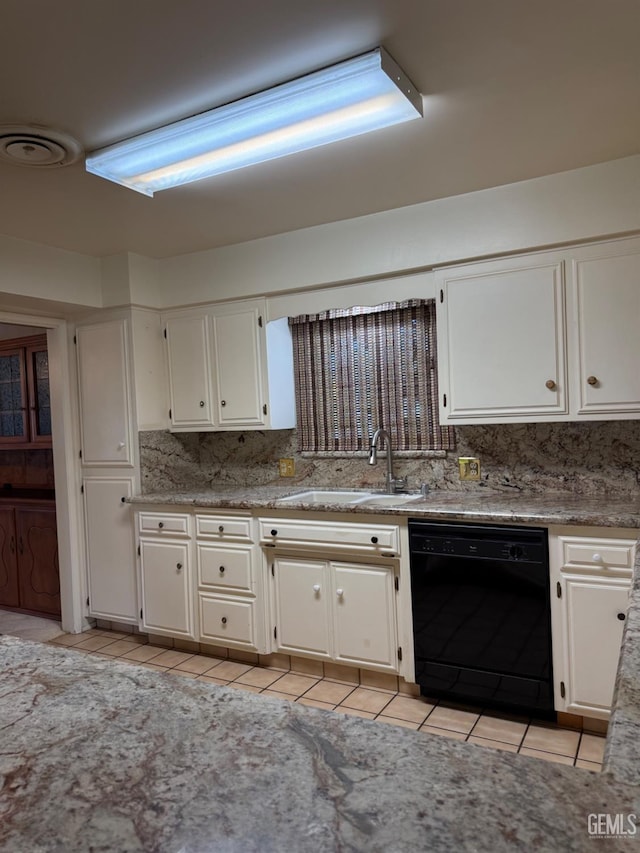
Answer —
224 620
202 404
179 566
161 524
316 587
597 558
592 380
551 385
622 616
223 402
221 529
339 593
374 540
274 532
221 570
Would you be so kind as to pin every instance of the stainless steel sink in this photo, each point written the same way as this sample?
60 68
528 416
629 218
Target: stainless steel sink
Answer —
325 496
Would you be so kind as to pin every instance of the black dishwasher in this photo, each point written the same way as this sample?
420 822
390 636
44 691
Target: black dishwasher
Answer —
481 614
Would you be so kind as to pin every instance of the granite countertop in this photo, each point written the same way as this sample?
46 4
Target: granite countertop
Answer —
480 505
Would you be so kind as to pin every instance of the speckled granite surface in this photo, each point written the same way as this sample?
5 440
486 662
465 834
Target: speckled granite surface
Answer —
100 756
594 457
551 508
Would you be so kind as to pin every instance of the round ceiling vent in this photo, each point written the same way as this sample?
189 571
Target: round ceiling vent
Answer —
30 145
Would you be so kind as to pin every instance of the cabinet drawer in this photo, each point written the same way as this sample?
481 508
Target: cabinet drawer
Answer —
164 522
598 554
335 536
224 567
227 620
224 527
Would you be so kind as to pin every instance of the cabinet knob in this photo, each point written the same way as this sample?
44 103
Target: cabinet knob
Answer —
374 540
622 616
224 620
221 529
223 402
221 570
592 380
124 500
161 524
597 558
202 404
339 593
274 532
179 566
121 445
316 587
551 385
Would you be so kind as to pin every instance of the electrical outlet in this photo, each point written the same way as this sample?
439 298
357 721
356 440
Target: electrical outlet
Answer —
469 467
286 467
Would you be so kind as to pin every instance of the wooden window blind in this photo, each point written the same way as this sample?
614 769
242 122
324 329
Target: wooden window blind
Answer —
362 368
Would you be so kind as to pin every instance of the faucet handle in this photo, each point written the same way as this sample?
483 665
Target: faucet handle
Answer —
400 484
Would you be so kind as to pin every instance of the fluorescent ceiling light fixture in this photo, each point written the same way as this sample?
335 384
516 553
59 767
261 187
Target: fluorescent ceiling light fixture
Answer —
362 94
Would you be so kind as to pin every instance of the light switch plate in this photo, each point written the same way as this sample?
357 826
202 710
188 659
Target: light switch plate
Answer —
469 467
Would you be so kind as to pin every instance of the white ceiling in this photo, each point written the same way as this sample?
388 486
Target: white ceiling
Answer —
513 89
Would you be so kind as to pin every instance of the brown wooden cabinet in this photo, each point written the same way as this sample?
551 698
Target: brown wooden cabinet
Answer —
25 406
29 574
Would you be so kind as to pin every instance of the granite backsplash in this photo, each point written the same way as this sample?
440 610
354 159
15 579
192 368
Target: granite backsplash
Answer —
587 458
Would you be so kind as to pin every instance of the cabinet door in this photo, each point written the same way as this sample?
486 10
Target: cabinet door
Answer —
105 407
110 548
501 351
189 363
364 616
593 631
302 594
9 595
238 365
607 297
167 606
38 573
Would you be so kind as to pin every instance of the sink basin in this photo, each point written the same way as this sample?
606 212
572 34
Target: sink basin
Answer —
325 496
388 500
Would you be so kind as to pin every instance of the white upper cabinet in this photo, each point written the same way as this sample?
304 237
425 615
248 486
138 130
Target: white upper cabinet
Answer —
606 293
105 394
229 369
501 341
189 357
546 336
238 366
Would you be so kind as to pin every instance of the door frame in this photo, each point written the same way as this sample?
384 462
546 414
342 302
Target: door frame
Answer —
65 451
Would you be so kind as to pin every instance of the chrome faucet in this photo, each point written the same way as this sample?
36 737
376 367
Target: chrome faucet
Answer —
393 484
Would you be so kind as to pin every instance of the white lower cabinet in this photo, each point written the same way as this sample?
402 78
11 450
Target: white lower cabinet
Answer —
335 610
302 598
110 548
591 580
229 584
165 579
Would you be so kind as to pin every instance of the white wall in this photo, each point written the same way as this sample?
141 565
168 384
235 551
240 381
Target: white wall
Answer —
35 271
595 201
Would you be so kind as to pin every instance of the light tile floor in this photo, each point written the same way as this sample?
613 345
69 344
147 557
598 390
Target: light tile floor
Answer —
496 731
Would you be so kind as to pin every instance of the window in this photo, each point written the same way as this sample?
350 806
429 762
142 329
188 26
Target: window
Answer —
363 368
